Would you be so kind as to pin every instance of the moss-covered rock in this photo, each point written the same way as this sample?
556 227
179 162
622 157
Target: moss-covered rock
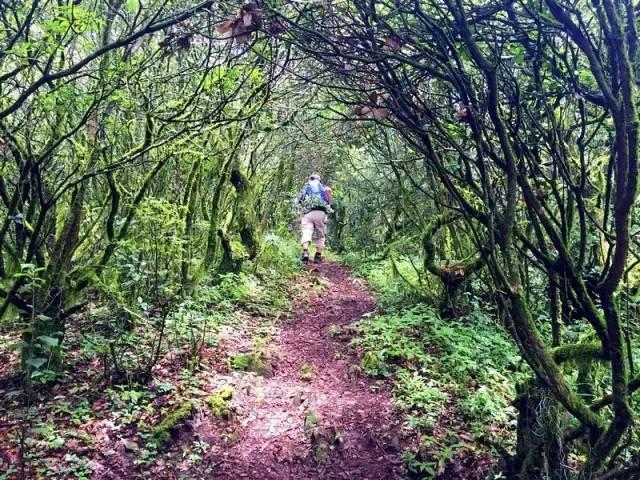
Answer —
323 441
311 420
252 362
333 331
321 451
219 403
307 372
162 431
354 372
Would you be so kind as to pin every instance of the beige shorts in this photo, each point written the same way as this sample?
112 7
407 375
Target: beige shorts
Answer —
314 222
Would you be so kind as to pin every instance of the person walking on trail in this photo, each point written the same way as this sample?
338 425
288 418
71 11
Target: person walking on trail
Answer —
315 199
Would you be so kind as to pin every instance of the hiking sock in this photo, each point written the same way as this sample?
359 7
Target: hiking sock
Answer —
305 257
317 258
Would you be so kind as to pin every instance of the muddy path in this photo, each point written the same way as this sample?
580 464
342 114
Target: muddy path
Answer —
316 416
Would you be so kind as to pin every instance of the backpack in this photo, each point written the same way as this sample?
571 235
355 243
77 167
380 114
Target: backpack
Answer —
315 199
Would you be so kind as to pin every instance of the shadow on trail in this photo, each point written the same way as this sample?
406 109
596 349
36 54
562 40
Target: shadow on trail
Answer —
317 417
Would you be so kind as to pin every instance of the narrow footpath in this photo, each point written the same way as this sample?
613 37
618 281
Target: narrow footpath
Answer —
317 416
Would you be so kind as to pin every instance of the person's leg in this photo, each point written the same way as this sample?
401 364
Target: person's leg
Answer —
319 219
306 226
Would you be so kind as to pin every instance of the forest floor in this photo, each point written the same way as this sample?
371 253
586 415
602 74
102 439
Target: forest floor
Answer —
275 399
317 416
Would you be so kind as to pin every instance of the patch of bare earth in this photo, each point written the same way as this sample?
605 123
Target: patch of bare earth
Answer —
315 417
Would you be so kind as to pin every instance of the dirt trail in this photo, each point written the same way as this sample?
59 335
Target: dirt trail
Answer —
316 417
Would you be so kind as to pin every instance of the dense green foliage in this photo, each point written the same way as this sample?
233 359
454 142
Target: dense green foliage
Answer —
185 342
501 144
454 381
484 159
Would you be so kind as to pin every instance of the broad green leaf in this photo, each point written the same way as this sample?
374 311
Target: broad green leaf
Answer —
50 342
36 362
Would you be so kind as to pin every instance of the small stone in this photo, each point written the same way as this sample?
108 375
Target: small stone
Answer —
395 443
296 398
131 446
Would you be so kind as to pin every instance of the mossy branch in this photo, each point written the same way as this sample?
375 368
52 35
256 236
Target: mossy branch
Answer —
447 275
579 352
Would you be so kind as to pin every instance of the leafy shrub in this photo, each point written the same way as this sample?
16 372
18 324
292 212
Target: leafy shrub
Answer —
485 406
463 371
279 255
396 282
394 339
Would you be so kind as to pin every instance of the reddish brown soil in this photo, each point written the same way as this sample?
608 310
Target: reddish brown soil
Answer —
316 379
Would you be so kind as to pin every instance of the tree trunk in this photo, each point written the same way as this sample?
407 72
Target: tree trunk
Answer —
540 451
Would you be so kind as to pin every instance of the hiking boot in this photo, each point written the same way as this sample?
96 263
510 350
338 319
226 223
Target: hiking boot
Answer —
305 257
317 258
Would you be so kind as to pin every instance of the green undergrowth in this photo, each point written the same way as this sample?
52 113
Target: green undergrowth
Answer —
453 380
396 281
112 378
124 333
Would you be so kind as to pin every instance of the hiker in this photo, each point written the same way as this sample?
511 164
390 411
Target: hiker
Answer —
315 201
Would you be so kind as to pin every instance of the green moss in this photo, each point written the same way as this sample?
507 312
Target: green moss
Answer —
250 362
580 352
226 392
307 371
162 432
310 420
219 404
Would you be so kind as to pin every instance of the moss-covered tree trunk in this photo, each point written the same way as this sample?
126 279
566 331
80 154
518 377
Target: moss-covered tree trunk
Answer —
245 213
454 277
189 201
45 324
540 451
